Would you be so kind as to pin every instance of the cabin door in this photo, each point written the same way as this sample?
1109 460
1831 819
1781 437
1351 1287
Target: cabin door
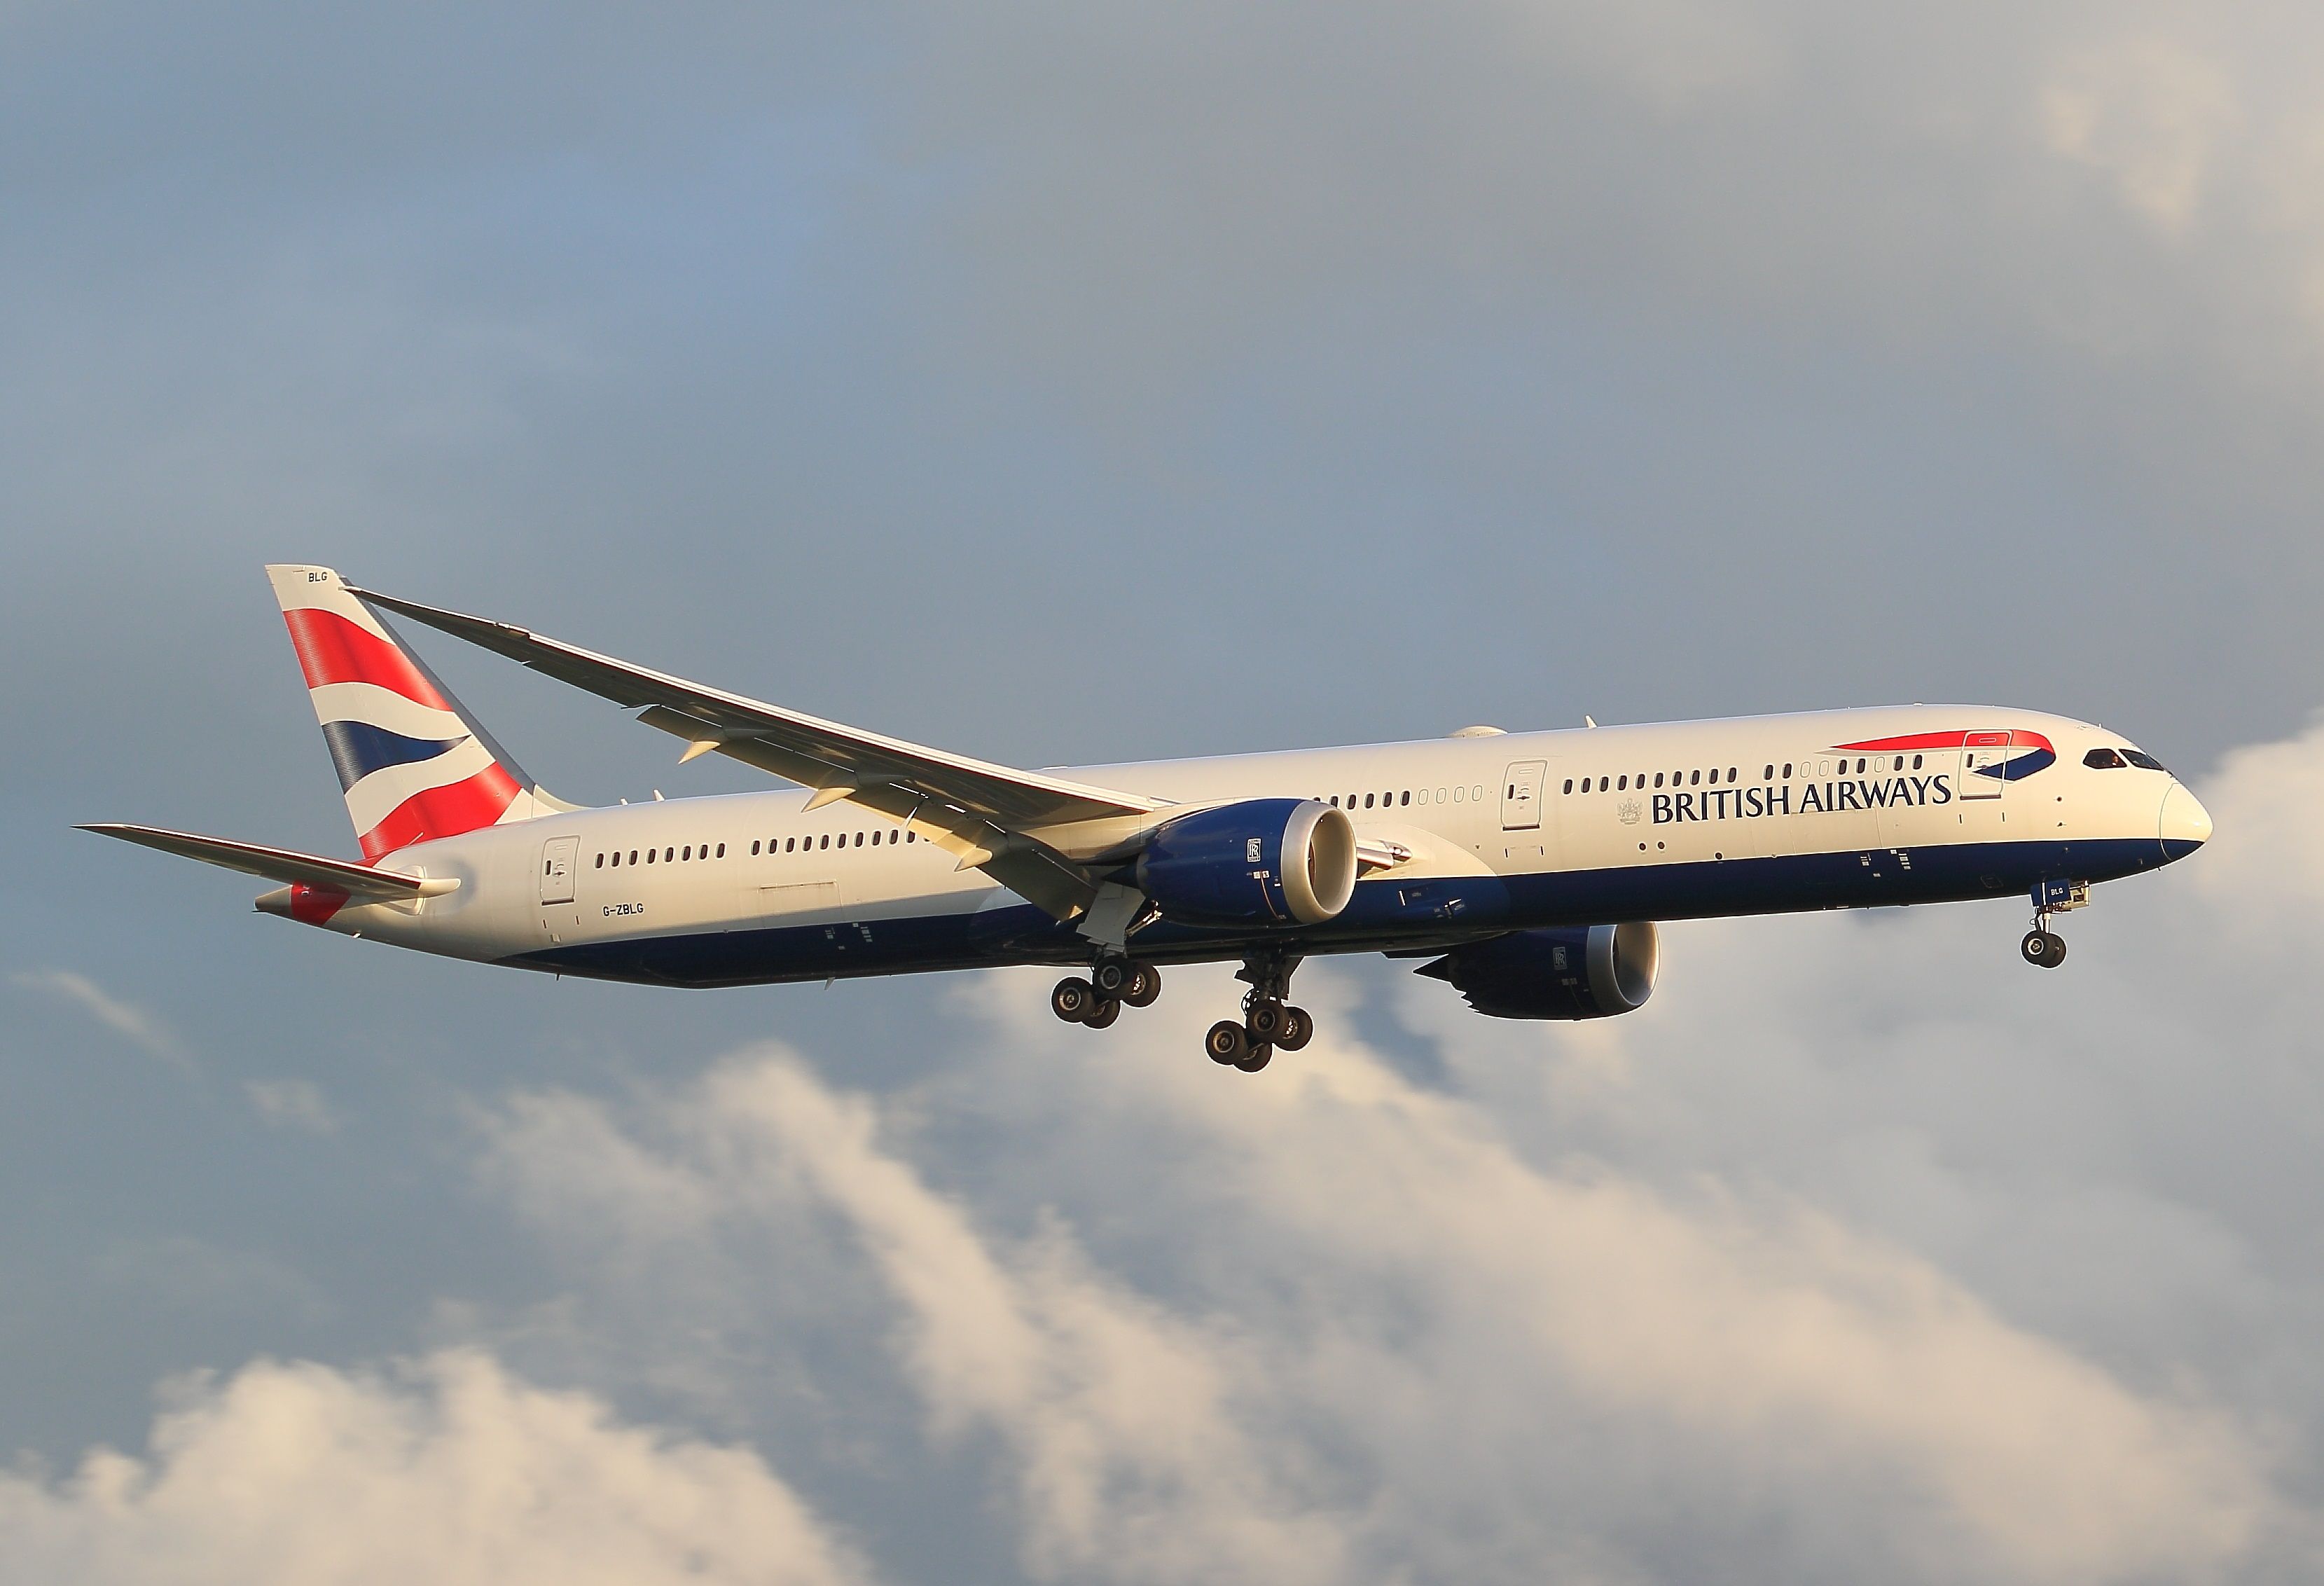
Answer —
1521 795
558 860
1983 764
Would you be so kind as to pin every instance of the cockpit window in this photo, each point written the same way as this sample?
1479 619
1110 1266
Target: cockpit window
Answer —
2144 761
2103 760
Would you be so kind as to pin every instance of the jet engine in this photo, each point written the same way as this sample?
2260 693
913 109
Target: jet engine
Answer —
1577 971
1262 862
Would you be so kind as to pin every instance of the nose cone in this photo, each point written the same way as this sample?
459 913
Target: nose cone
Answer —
2186 824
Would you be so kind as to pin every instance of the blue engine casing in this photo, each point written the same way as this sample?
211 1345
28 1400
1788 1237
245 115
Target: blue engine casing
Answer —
1579 971
1262 862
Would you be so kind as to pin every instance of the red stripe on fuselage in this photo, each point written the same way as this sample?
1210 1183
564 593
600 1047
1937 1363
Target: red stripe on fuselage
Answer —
2022 739
463 805
333 649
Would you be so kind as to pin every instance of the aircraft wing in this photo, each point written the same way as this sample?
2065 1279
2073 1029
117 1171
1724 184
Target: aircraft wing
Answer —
277 864
977 810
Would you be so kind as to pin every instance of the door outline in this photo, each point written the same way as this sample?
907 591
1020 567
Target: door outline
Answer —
560 861
1521 795
1979 751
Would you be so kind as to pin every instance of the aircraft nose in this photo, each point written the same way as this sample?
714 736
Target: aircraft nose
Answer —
2186 825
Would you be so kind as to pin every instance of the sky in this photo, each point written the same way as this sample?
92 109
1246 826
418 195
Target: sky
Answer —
1064 384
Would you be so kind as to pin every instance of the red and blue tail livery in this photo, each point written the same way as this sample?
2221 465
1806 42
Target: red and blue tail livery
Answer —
411 764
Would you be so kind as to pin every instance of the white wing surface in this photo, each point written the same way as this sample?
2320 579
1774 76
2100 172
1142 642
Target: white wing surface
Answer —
978 811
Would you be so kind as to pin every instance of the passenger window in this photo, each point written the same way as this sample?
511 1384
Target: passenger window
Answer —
1367 801
1698 777
1768 775
1569 783
754 848
1916 762
649 856
1787 771
825 841
633 855
687 852
1406 797
1622 786
601 862
1335 801
2103 760
721 849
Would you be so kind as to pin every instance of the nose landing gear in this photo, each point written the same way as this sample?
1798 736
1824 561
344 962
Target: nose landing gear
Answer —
2041 946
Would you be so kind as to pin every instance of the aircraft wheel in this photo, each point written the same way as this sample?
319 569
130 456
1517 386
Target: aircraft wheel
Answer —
1144 984
1258 1058
1266 1021
1107 1011
2044 949
1298 1028
1073 999
1109 976
1227 1043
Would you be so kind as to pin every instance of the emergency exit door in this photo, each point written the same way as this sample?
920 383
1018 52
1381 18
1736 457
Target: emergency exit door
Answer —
1521 795
558 860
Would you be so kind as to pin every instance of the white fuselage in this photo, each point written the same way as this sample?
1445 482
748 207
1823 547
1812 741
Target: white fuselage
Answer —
1752 815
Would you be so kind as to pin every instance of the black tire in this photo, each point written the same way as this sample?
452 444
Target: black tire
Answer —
1264 1023
1226 1042
1144 985
1298 1029
2036 948
1073 999
1109 977
2056 946
1107 1011
1258 1058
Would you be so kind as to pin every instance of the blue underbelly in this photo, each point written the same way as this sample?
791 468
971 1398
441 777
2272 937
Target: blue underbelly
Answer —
1385 914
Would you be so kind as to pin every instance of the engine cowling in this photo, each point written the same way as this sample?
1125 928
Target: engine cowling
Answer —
1581 972
1262 862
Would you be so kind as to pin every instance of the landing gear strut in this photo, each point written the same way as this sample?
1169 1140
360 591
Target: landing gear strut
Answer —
1267 1022
1098 1001
2041 946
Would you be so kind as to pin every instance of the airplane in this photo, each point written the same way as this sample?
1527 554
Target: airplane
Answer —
1528 868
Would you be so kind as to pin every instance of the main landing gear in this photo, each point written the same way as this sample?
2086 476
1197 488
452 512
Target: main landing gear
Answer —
2041 946
1098 1001
1267 1022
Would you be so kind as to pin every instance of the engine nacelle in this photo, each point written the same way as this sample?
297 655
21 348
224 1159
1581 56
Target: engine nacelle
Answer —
1578 972
1263 862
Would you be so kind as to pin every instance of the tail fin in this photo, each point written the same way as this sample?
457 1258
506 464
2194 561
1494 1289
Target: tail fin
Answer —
414 765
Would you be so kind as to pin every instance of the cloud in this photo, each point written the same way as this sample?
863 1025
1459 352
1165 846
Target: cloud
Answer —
293 1103
1368 1337
444 1469
126 1020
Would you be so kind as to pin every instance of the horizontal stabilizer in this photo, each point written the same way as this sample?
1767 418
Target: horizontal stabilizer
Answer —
279 864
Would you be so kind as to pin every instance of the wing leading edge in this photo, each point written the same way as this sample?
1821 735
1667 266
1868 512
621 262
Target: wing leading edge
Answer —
980 812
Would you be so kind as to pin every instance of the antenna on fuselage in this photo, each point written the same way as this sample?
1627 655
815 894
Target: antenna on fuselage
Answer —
1588 720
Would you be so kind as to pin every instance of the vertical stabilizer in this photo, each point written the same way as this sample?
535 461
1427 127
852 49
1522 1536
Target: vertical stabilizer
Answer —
414 765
